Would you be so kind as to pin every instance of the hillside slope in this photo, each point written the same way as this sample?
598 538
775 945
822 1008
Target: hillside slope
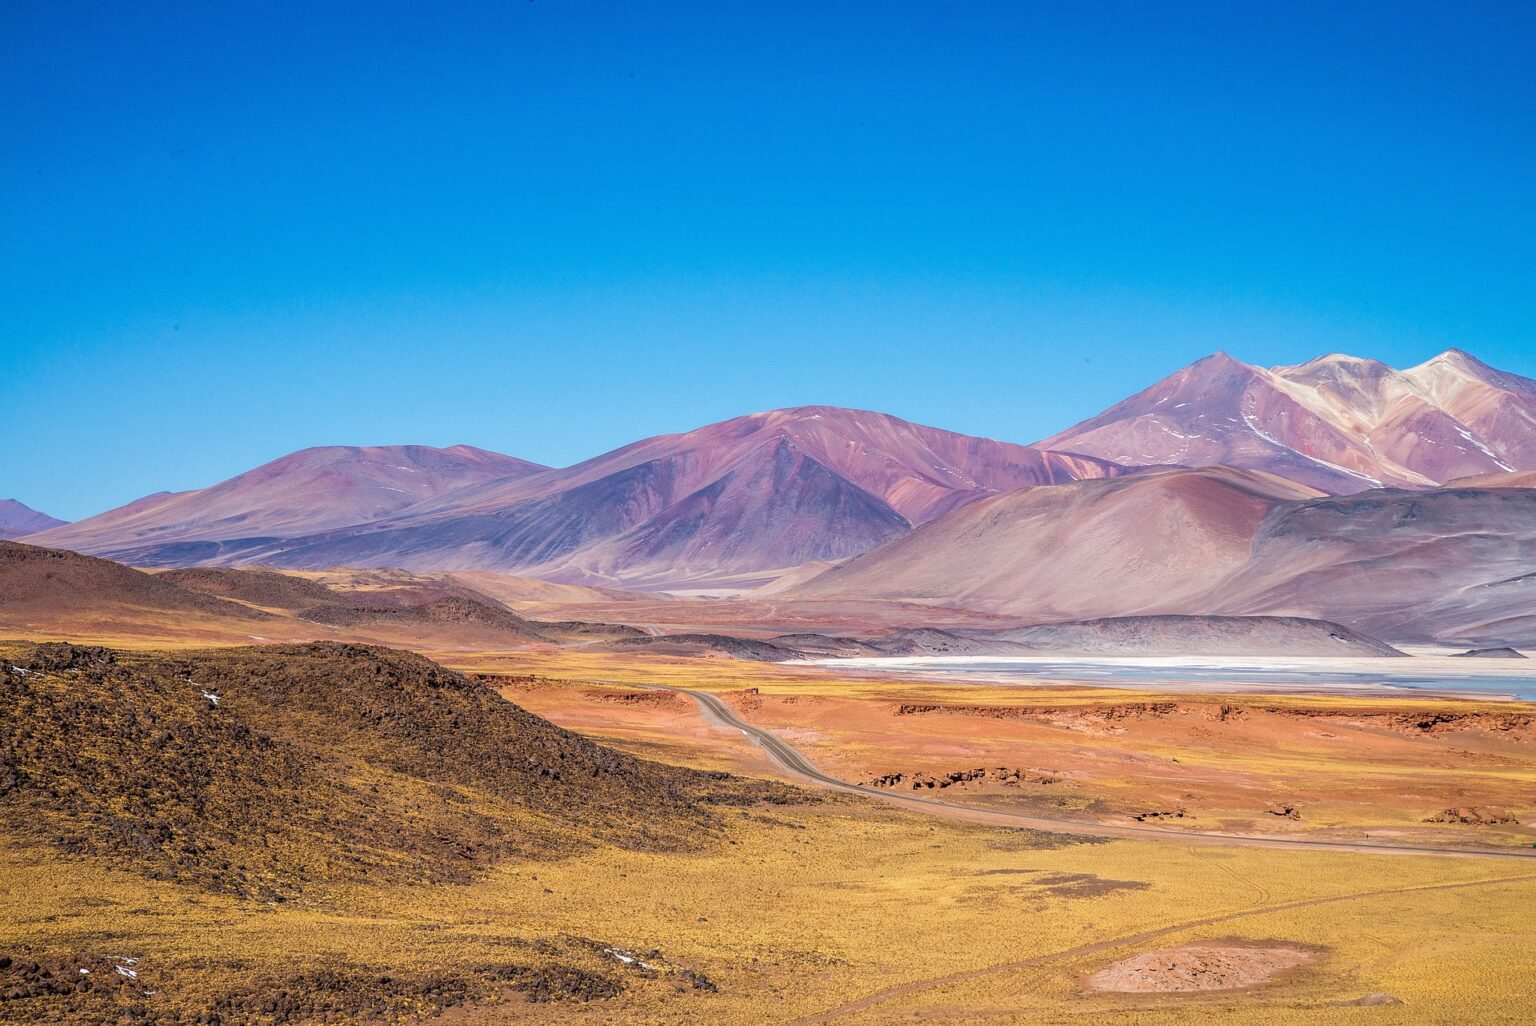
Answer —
18 519
52 592
307 491
38 583
1147 542
269 771
1454 565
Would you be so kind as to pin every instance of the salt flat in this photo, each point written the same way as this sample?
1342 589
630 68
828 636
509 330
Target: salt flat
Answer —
1437 673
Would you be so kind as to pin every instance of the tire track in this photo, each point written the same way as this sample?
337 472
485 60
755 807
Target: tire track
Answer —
880 997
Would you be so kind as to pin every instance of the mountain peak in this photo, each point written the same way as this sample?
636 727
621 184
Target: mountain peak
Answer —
1337 422
1454 359
822 412
1335 364
17 519
316 489
1220 360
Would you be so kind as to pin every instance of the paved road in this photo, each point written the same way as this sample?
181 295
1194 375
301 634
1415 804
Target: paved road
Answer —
791 759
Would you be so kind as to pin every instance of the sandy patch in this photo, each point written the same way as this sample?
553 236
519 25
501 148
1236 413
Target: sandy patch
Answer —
1199 967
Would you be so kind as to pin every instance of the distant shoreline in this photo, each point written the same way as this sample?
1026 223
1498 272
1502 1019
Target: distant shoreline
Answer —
1209 675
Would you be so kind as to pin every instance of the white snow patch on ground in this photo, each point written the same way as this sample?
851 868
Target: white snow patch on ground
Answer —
1463 432
1254 427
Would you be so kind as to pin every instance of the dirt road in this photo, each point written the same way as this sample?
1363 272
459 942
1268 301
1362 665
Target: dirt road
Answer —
792 760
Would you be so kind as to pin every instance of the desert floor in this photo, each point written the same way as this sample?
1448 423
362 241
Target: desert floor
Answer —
855 910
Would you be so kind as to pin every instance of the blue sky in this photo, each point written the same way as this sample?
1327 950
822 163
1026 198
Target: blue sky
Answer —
551 228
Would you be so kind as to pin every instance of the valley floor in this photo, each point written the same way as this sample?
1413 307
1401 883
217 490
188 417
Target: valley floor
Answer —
853 913
849 910
1402 770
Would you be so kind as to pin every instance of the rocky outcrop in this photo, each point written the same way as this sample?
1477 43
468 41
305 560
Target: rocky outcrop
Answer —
1473 816
1491 653
1001 775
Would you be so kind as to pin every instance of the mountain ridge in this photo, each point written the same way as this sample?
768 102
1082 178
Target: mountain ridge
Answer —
356 482
752 495
743 502
17 520
1338 423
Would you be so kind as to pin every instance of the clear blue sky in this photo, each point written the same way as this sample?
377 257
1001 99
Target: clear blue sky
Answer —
230 231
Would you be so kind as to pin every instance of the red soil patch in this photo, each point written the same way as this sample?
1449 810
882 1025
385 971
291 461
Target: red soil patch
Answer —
1212 965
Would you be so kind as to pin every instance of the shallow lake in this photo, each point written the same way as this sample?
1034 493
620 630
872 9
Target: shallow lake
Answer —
1276 675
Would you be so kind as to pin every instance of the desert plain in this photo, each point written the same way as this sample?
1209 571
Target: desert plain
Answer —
1056 852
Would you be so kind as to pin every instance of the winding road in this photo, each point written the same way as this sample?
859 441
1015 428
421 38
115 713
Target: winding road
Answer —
787 757
792 760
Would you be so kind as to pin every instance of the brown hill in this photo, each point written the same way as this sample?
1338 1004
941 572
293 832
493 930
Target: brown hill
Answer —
269 771
82 596
364 590
39 583
257 587
451 611
1455 565
1194 636
1147 542
497 624
454 606
518 591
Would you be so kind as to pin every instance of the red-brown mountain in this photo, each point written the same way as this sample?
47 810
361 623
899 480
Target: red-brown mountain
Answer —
1452 565
735 500
18 519
1455 565
301 493
1150 542
1337 423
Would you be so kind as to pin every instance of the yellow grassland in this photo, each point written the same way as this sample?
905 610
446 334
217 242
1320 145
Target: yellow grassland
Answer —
805 909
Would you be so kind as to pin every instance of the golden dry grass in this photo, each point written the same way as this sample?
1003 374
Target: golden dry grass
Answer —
811 907
799 910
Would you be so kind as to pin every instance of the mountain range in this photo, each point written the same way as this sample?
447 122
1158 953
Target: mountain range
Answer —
1396 502
749 496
